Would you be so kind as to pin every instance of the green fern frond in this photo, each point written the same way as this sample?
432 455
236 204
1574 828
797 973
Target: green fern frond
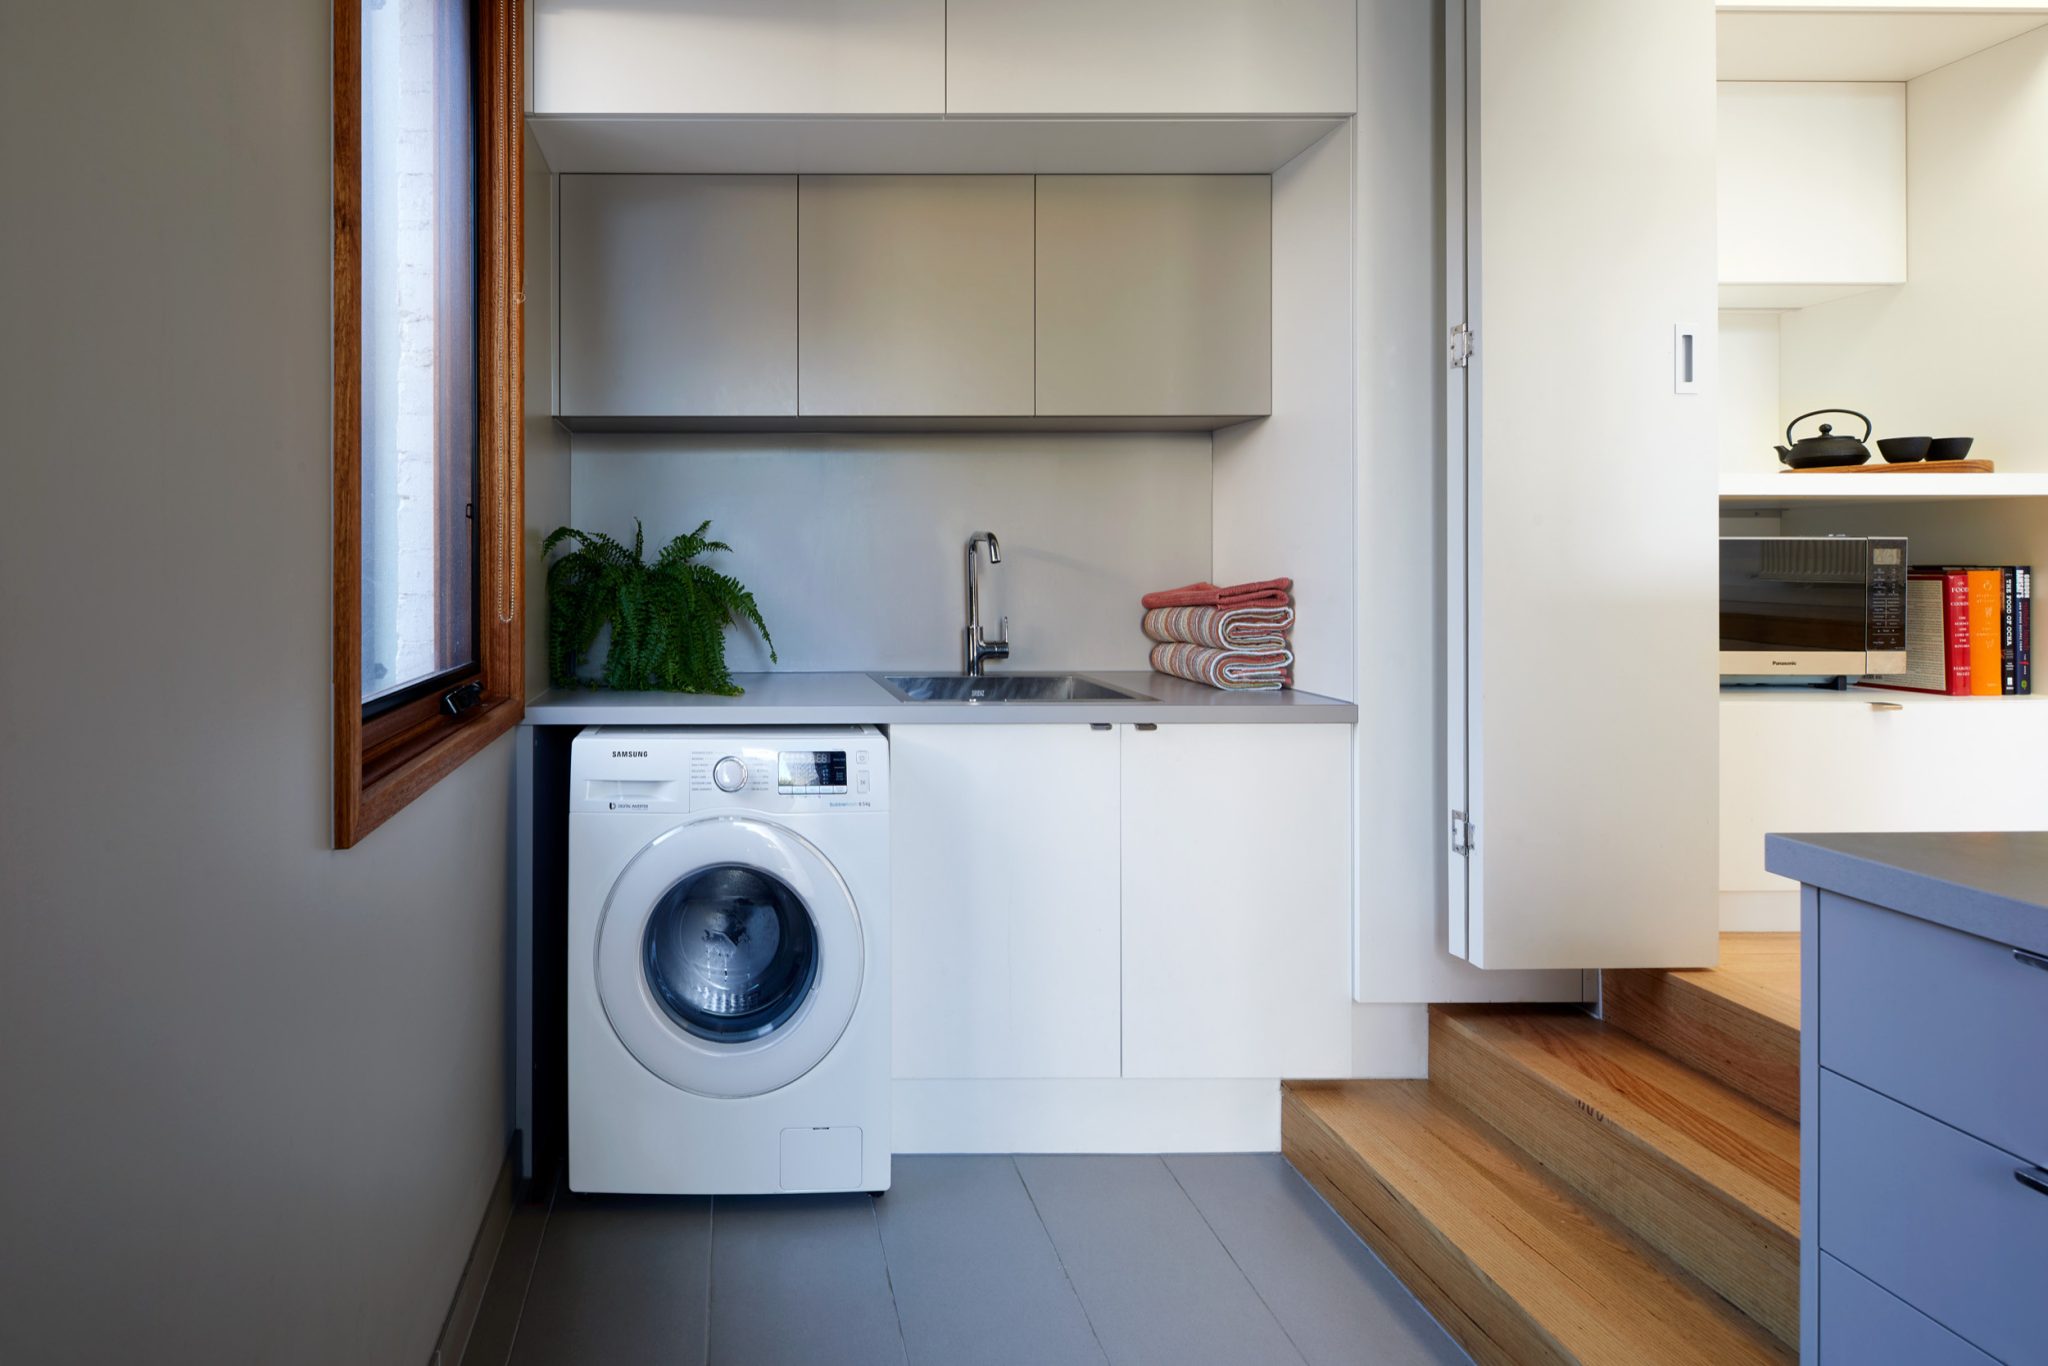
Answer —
667 620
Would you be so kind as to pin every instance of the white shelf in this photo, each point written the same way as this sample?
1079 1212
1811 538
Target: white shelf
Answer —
1859 696
1774 489
703 145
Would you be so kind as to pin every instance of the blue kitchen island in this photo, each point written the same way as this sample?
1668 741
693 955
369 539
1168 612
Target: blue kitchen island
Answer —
1924 1096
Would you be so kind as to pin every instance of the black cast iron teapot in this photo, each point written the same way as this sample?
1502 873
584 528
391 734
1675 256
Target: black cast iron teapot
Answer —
1827 449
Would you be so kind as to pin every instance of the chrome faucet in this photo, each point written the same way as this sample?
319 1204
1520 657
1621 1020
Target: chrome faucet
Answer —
979 651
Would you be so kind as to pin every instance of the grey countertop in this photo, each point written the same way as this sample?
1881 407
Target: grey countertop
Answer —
1994 885
839 699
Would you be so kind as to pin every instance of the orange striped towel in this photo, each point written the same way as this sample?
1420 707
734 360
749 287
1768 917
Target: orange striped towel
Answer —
1237 628
1231 670
1263 593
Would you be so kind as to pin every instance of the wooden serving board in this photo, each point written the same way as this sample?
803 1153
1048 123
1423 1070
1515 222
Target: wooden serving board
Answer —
1916 467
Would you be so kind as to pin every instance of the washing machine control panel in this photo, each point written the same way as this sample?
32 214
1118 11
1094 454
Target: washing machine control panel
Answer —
791 770
852 777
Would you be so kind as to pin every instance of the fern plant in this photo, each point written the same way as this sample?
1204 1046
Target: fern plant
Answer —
667 618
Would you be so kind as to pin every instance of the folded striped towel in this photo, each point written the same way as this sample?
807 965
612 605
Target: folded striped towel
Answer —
1234 670
1236 628
1263 593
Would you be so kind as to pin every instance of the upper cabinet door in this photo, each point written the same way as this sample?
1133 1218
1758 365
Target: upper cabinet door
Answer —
1583 486
914 295
678 295
739 57
1780 142
1155 295
1151 57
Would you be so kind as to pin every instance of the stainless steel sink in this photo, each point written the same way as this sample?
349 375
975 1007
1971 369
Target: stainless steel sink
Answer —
1003 688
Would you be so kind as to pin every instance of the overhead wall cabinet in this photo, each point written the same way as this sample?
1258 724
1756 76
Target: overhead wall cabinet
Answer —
748 302
677 295
1076 57
1812 190
1582 488
914 295
1169 901
1155 295
739 57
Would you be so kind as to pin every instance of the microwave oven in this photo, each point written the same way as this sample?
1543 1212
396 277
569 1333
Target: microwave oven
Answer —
1812 606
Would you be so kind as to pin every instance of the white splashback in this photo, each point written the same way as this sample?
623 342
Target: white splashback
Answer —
853 544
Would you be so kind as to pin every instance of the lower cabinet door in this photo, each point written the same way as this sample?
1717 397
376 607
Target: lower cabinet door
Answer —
1236 901
1005 900
1870 760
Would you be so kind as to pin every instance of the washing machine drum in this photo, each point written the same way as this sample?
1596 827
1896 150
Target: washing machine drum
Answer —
729 957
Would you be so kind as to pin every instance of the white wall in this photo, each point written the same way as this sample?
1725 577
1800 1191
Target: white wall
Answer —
1283 483
1958 349
854 545
253 1087
1402 940
547 443
1749 416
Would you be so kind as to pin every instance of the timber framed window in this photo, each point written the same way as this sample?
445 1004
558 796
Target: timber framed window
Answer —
427 385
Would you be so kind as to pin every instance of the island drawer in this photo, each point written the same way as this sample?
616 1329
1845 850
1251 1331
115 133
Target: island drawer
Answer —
1935 1217
1945 1022
1861 1322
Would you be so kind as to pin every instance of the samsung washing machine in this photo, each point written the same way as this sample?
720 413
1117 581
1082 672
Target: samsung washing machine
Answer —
729 960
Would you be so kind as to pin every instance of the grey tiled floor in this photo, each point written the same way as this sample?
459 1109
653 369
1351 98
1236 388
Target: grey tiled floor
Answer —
1227 1260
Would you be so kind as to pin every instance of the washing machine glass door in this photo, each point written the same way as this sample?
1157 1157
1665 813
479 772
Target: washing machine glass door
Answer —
729 956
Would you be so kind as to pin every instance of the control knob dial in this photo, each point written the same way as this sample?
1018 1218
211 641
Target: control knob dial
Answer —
729 773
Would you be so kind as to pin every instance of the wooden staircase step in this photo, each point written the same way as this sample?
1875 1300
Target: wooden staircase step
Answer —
1702 1173
1738 1023
1505 1256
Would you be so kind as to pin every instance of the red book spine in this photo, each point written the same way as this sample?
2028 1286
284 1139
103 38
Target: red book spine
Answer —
1957 633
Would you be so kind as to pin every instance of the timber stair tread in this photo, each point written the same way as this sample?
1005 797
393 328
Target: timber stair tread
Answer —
1698 1170
1509 1257
1738 1022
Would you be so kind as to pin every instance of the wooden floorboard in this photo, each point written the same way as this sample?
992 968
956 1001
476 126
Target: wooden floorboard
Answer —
1505 1255
1704 1174
1738 1023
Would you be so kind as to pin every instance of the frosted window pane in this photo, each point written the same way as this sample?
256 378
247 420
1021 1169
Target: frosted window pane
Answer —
418 344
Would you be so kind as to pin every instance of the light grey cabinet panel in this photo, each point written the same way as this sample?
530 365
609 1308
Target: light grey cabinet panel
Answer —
1942 1021
1155 295
678 296
1862 1324
1934 1216
914 295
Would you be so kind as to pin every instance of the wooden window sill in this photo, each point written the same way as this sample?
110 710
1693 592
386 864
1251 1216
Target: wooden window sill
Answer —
402 768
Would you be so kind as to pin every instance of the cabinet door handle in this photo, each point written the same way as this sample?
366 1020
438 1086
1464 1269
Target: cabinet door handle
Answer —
2032 960
2033 1178
1100 725
1146 725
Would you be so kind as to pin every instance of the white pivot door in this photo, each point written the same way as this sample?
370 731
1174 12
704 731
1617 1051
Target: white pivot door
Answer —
1582 486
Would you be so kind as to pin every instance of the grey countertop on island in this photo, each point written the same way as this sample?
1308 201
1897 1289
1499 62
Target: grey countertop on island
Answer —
800 699
1993 885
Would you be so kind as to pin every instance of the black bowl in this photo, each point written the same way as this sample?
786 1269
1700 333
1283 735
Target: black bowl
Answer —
1904 450
1949 447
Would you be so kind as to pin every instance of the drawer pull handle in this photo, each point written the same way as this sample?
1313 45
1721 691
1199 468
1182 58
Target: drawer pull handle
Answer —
2033 1178
2032 960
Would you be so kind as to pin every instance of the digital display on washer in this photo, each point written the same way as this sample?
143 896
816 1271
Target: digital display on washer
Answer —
811 770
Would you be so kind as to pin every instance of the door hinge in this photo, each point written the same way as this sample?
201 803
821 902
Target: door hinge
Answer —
1461 346
1464 834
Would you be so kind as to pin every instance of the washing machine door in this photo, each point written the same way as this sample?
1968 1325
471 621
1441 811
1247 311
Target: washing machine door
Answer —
729 956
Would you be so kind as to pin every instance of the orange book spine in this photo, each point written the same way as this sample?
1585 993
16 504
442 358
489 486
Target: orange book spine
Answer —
1987 663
